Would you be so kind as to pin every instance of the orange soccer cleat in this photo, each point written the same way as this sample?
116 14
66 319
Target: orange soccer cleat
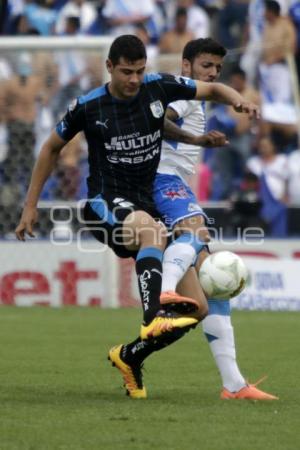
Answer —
175 302
249 392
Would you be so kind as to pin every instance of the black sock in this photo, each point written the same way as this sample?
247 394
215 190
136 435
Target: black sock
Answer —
149 273
137 351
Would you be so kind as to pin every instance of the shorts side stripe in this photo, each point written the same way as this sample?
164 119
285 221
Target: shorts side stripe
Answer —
99 206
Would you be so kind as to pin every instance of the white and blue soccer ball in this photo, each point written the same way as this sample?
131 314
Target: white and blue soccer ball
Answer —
223 275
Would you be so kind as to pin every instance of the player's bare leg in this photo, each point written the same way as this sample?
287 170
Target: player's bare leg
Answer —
217 325
219 333
149 237
190 237
159 328
129 358
189 287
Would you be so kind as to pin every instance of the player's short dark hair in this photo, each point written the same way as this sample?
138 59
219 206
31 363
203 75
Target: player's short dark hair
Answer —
203 45
127 46
273 6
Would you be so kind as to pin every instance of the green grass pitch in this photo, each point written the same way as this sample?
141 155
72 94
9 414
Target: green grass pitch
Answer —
58 391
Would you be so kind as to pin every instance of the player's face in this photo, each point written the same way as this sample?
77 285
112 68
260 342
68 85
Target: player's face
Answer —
205 67
126 77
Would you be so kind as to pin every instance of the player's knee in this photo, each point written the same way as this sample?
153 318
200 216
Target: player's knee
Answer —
195 227
203 235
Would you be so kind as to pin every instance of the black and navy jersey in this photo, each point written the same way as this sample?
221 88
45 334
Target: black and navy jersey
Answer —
124 136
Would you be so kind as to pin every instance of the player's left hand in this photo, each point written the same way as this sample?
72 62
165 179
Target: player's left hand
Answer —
249 108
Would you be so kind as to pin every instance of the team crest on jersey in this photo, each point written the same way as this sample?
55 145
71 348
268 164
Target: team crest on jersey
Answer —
72 105
179 192
157 109
178 79
183 80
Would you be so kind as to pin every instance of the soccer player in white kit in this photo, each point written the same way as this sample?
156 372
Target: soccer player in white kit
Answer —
174 200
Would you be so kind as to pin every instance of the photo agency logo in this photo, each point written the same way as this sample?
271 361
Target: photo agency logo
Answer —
69 225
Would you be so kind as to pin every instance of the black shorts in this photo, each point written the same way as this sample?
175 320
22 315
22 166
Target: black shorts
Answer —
104 215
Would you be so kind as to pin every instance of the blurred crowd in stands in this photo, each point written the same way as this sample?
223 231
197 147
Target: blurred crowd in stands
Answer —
258 174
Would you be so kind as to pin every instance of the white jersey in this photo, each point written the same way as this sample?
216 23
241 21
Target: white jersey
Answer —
178 158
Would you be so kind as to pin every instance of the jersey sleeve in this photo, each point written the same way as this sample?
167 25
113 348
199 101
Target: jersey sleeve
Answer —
183 108
72 122
178 87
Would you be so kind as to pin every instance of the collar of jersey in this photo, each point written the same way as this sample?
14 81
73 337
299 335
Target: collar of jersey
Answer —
119 100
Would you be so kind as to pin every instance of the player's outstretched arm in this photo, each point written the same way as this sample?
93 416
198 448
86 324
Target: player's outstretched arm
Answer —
42 169
212 138
173 132
221 93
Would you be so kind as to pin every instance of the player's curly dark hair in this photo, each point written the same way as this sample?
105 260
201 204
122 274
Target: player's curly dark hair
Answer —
127 46
203 45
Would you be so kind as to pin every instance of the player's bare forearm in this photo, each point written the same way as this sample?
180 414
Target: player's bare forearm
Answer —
211 139
41 172
175 133
225 94
43 167
221 93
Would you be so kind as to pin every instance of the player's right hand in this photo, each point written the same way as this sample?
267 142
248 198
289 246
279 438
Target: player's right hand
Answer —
212 138
27 221
249 108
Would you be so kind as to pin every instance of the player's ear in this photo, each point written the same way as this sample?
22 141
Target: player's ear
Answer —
109 65
186 68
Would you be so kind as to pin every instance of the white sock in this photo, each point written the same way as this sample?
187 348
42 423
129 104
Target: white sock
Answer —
219 333
176 261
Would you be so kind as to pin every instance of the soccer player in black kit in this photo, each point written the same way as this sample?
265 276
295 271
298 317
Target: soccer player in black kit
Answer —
123 124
